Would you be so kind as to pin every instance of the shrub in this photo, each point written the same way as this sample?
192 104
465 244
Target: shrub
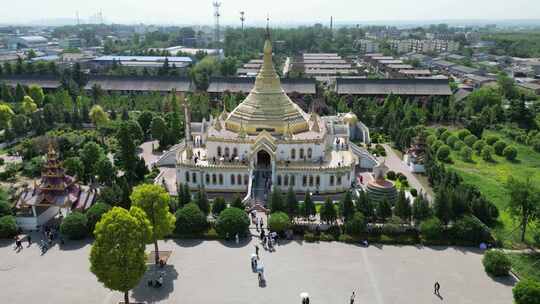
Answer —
470 140
465 153
458 145
470 230
357 224
5 208
443 153
8 227
463 133
75 226
431 229
436 145
490 140
218 205
510 152
326 237
431 139
496 263
487 153
479 145
499 147
279 221
527 292
310 237
345 238
190 220
232 221
440 131
451 140
400 176
94 214
445 135
391 175
414 192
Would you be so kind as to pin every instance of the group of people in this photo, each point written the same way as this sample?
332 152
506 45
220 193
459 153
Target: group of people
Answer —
158 282
257 267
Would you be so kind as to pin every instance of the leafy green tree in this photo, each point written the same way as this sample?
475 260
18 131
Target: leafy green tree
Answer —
510 152
90 154
384 210
279 221
471 230
431 228
479 145
347 206
470 140
228 66
403 207
466 153
487 153
159 130
95 213
202 201
499 147
36 93
218 205
237 203
28 105
74 166
145 121
75 226
443 153
364 205
126 156
18 124
175 123
5 208
276 201
105 171
356 224
232 221
98 116
190 220
523 204
328 211
292 203
308 206
117 256
154 201
19 93
442 206
421 209
8 226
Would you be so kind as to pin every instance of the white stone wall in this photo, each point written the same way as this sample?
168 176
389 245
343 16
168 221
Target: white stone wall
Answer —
212 149
284 152
315 181
214 179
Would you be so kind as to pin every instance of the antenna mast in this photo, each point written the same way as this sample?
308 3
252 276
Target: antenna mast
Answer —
242 19
216 5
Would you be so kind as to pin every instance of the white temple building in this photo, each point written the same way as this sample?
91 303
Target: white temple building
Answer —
269 141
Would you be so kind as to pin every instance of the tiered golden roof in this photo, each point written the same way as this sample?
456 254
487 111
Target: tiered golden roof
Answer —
267 107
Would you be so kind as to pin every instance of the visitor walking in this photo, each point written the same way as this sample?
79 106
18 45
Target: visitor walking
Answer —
352 297
437 287
257 250
29 239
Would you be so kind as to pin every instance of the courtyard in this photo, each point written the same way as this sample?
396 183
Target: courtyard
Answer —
220 272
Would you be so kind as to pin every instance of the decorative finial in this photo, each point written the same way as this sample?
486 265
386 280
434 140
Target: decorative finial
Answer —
268 26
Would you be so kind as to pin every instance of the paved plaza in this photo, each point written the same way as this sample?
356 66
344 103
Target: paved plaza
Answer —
220 272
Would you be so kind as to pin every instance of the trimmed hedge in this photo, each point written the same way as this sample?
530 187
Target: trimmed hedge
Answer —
432 229
190 220
75 226
279 221
496 263
527 292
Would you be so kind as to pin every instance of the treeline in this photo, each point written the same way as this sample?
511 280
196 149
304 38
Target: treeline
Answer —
515 44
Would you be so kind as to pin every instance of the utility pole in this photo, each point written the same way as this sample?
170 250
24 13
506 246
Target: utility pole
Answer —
216 5
242 19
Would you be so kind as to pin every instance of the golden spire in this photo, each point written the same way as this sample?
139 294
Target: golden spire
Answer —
217 124
315 127
242 133
287 133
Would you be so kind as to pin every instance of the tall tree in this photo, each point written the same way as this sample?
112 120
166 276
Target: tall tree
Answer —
6 114
126 155
442 205
145 121
328 211
347 206
117 256
36 92
90 154
202 201
308 206
403 207
421 209
292 203
154 200
98 116
384 209
524 202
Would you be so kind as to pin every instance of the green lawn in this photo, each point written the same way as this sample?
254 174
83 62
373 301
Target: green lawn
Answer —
527 266
490 178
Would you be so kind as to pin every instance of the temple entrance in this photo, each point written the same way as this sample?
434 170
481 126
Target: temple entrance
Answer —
263 177
263 160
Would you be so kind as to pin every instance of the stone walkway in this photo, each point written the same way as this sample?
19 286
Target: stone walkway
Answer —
219 272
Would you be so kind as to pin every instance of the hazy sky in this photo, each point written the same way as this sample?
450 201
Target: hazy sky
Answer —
280 11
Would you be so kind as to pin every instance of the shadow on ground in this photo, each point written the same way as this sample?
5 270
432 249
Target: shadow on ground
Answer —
187 242
149 294
232 243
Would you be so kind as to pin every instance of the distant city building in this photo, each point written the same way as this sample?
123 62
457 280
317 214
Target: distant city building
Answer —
70 43
141 62
27 42
367 46
424 46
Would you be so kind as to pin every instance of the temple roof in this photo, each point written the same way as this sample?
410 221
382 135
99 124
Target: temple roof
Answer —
267 107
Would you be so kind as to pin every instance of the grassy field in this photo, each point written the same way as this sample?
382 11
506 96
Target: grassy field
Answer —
490 178
527 266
